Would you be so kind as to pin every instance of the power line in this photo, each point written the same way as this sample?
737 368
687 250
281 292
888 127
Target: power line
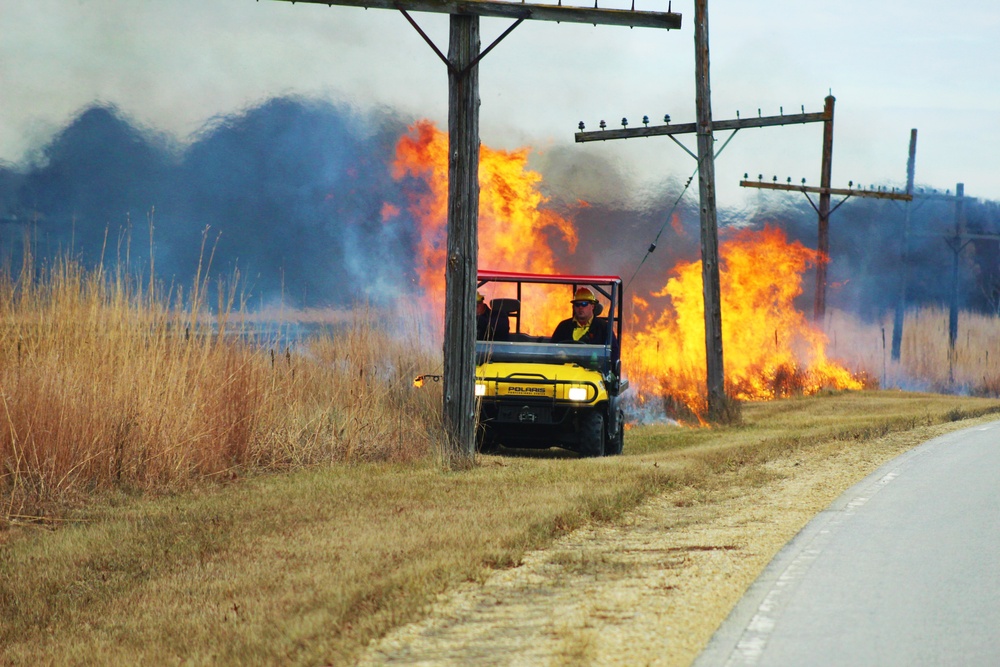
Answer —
652 246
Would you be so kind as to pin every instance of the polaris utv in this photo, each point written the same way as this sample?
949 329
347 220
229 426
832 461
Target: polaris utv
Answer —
534 392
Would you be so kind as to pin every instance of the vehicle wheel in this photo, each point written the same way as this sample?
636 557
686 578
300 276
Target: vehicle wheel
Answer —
616 441
592 434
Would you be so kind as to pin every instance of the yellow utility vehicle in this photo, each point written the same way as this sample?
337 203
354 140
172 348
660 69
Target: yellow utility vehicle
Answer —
535 392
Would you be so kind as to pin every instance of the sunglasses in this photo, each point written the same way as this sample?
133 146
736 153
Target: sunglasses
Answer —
581 304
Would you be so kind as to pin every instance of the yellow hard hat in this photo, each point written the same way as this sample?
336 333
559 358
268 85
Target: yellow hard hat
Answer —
479 297
584 294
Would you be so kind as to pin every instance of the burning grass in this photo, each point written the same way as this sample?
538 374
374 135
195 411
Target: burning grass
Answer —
771 349
104 385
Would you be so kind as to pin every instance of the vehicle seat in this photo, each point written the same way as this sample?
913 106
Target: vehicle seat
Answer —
505 307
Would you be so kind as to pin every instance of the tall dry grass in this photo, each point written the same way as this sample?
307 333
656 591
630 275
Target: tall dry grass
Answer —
106 383
925 361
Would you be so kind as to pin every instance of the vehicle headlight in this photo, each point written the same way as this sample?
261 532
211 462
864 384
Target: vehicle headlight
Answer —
480 389
577 393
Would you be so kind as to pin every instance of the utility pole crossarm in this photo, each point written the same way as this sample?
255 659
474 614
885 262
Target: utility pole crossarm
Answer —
519 10
938 196
845 192
691 128
963 236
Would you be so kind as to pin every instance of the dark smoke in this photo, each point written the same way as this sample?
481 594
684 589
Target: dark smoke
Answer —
291 194
867 271
869 264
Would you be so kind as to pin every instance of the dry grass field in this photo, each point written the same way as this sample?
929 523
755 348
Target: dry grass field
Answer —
106 384
177 490
310 566
925 361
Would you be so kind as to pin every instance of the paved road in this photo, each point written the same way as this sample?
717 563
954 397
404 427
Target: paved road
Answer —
903 569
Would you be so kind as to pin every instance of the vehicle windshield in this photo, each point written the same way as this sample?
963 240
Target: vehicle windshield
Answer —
594 357
536 310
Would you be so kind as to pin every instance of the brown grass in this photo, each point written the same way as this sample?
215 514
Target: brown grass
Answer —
309 566
108 389
106 385
925 362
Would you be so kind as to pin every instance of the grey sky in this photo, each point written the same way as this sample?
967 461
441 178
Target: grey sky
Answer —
892 65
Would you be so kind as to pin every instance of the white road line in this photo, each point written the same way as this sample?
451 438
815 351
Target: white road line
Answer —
750 646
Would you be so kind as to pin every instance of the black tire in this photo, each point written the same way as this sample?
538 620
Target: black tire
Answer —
592 434
616 442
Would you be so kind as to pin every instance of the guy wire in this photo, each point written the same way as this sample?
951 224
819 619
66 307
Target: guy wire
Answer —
652 246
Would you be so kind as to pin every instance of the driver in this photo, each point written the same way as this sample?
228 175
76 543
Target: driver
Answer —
583 327
490 325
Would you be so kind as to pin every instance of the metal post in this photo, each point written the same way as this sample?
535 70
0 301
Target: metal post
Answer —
463 249
823 240
904 259
709 225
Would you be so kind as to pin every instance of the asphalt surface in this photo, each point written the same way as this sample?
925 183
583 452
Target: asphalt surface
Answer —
903 569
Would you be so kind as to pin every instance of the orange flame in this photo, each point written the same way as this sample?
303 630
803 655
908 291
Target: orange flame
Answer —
515 233
770 349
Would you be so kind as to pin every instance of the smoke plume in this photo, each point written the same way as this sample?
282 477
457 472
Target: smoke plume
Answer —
298 198
289 195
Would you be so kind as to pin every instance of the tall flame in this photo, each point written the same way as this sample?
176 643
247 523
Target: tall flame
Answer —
770 349
515 233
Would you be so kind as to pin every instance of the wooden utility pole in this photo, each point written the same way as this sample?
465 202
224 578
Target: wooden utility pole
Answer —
957 245
823 234
897 322
463 172
715 370
463 248
705 128
736 124
957 242
824 209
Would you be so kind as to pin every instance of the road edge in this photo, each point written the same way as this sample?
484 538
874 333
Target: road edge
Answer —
740 639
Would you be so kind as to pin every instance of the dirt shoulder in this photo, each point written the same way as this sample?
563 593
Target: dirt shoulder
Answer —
650 589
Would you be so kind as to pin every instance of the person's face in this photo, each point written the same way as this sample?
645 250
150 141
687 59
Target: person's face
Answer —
583 311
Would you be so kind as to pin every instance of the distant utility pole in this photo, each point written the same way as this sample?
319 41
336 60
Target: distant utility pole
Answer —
825 117
897 322
463 171
957 242
823 209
